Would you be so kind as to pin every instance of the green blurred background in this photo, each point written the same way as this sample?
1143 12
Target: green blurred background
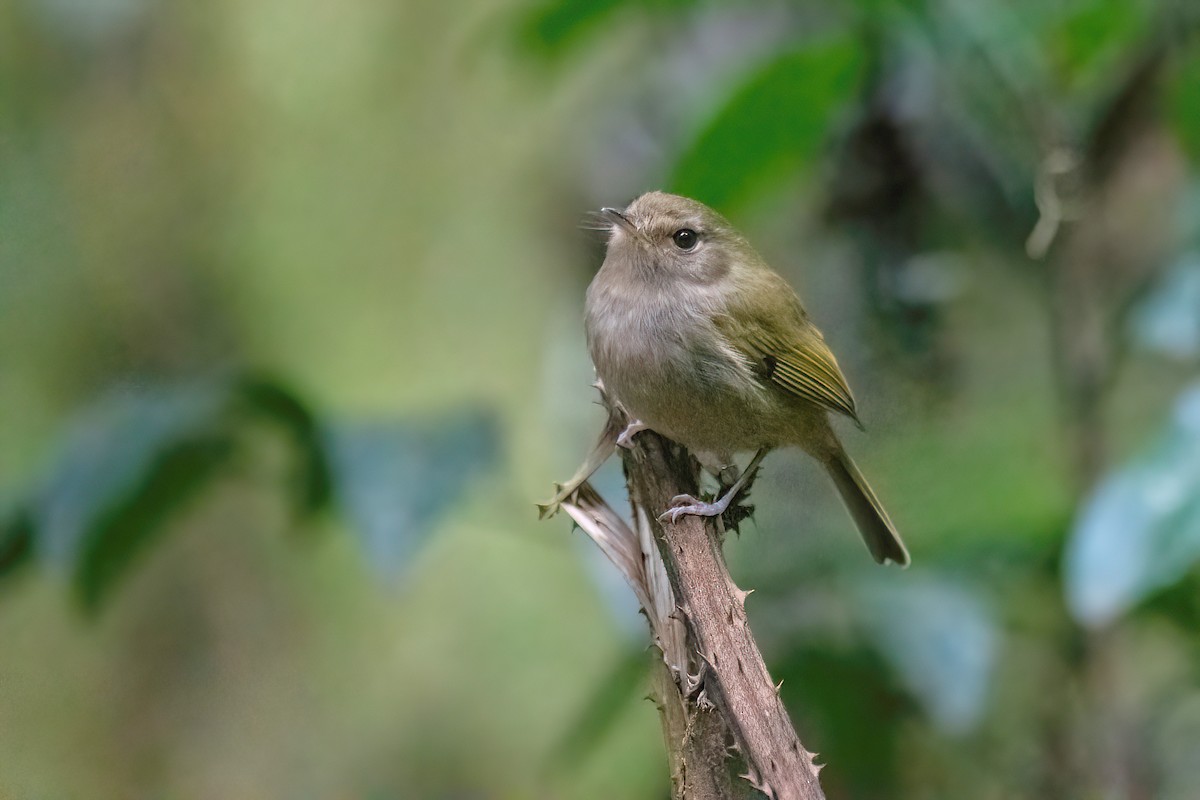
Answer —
291 341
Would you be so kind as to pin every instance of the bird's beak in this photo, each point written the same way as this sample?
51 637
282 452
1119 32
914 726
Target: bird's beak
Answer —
619 219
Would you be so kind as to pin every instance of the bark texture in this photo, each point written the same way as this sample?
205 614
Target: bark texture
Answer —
724 704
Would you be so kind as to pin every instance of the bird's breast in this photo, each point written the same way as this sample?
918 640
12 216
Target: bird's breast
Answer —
665 361
635 340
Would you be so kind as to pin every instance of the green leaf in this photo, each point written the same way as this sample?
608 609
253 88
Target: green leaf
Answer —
122 533
550 28
872 10
134 459
772 126
16 540
123 467
554 27
1088 41
276 403
1183 101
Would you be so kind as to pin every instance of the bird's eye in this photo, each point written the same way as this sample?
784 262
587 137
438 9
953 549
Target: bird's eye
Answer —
685 238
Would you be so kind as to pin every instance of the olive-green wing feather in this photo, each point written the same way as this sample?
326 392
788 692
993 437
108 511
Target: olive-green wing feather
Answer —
804 366
792 354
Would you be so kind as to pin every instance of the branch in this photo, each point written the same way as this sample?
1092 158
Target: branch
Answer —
711 685
731 674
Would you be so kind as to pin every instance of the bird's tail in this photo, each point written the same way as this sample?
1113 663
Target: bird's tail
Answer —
877 530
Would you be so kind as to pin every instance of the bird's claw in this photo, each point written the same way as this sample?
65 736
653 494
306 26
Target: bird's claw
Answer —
684 505
626 438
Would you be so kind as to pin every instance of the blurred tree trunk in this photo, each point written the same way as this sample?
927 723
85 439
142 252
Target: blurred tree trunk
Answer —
1113 215
1107 222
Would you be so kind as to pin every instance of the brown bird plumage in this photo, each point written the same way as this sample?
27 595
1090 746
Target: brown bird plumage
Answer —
698 339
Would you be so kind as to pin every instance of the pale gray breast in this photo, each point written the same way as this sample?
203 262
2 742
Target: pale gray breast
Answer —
662 357
635 337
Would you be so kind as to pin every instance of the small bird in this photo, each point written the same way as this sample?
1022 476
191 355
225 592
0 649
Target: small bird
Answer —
698 339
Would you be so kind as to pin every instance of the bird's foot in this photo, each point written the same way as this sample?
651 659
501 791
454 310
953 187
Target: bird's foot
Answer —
684 505
626 438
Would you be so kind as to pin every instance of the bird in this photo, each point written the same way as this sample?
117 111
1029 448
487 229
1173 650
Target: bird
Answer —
698 339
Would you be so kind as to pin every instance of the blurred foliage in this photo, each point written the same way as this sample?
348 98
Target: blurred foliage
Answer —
769 126
127 465
16 540
377 201
1167 319
1140 530
1185 99
940 638
554 27
396 479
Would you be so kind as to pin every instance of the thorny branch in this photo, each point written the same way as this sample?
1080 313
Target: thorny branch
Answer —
718 704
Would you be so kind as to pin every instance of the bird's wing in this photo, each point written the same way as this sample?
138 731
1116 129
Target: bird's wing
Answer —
791 353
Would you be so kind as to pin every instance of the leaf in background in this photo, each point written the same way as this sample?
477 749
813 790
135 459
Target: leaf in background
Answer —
278 404
395 479
135 457
772 126
180 469
940 637
16 540
1183 99
553 27
1089 41
1167 320
123 467
1140 529
874 10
